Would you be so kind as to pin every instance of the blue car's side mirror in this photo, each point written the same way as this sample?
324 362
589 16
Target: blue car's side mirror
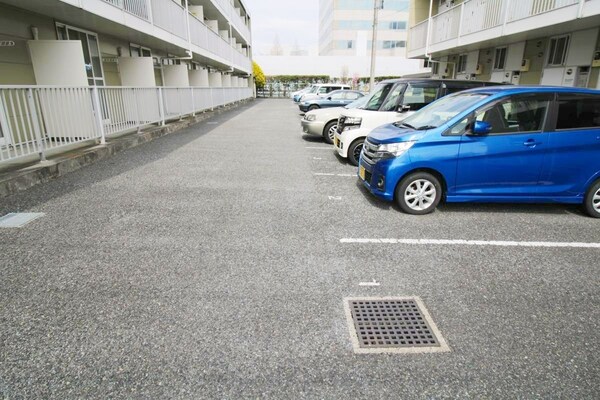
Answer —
481 128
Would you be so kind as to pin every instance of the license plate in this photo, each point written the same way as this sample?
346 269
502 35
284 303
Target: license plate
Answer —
361 172
335 141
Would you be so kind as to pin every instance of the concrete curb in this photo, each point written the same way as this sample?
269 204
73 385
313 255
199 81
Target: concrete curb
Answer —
25 177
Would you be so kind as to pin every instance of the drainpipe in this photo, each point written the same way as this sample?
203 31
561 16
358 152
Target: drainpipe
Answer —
428 37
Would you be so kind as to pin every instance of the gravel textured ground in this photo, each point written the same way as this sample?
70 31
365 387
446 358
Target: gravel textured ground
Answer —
208 264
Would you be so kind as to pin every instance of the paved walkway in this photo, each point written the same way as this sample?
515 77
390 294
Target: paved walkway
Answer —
209 264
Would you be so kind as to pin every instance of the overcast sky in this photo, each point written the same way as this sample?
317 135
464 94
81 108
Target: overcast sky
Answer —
293 21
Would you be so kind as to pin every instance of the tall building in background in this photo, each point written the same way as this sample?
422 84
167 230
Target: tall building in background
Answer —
346 26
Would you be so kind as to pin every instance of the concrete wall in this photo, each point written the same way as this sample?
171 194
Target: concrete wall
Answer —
15 25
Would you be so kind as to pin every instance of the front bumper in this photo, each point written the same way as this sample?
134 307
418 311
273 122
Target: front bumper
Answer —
303 108
343 140
312 127
388 171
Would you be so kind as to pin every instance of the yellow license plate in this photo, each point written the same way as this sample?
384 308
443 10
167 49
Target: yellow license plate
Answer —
361 172
335 141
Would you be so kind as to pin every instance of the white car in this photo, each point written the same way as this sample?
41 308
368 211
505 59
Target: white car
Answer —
391 101
322 89
323 121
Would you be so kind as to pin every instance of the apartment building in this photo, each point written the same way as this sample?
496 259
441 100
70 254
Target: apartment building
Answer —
72 71
549 42
346 26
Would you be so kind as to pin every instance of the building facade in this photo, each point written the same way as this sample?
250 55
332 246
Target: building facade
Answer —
346 26
74 70
549 42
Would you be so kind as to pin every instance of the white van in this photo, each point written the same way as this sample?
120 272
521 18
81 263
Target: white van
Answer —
391 101
321 89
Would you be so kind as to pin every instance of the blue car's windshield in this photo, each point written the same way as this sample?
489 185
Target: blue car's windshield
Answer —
440 111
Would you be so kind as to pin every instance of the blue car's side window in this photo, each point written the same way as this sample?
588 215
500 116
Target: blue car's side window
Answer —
515 114
578 112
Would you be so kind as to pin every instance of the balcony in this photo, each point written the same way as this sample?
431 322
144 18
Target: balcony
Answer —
168 15
476 21
237 21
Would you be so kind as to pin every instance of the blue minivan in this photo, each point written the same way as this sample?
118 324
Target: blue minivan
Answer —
521 144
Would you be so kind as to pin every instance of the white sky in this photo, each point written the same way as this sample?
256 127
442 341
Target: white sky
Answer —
293 21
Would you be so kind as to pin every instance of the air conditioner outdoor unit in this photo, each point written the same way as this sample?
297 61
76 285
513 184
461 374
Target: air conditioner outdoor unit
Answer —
478 69
525 63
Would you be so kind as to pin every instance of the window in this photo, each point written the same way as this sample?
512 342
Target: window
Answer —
418 96
397 25
194 66
337 96
578 111
135 50
171 60
515 114
351 95
91 52
349 45
392 44
461 65
378 96
435 68
557 51
323 90
500 59
391 103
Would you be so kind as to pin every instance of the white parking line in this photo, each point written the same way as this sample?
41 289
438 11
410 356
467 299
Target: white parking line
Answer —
329 174
319 148
373 283
460 242
334 197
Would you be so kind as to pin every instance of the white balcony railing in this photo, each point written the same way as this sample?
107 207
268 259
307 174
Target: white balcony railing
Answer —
170 16
226 7
135 7
475 16
38 120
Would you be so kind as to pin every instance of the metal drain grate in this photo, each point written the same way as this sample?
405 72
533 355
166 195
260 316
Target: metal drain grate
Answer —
17 220
392 325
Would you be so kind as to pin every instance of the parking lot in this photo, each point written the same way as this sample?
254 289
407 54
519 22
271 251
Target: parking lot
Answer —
213 263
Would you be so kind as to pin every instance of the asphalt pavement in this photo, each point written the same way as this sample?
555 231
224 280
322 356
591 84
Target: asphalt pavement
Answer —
209 264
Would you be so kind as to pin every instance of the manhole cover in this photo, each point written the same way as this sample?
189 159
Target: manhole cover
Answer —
392 325
17 220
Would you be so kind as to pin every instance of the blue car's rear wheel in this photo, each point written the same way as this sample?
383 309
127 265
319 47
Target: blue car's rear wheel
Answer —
313 107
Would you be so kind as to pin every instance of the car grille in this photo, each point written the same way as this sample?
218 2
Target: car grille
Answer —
369 151
340 124
368 176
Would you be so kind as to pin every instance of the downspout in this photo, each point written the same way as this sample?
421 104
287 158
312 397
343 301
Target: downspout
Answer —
428 37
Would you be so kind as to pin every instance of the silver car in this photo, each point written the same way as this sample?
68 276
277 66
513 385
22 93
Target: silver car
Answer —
323 121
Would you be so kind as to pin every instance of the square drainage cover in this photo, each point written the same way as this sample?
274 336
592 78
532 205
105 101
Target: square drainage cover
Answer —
17 220
392 325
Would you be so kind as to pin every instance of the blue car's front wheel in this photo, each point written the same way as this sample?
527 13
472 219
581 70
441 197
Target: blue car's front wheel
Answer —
592 200
419 193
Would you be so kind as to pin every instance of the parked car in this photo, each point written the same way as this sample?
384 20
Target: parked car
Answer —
323 121
531 144
298 94
322 89
337 98
391 101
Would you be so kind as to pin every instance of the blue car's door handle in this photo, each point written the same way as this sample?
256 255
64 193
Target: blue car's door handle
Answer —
531 143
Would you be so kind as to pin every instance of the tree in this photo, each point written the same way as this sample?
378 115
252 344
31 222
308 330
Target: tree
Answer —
259 76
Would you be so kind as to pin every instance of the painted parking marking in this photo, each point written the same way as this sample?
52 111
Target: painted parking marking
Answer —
18 220
330 174
317 158
372 283
334 197
319 148
461 242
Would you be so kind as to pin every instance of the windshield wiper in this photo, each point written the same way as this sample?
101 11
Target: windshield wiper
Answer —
425 127
401 124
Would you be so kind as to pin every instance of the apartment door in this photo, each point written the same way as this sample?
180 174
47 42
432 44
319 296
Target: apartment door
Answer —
91 51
